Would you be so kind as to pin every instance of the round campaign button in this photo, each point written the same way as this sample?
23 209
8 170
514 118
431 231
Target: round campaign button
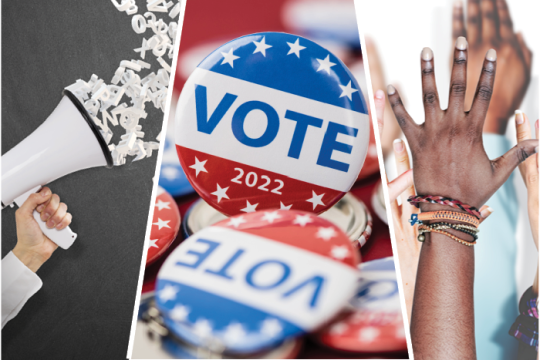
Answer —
271 121
349 214
172 177
165 225
252 281
376 324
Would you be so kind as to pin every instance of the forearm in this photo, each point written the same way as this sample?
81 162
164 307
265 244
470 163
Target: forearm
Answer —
442 324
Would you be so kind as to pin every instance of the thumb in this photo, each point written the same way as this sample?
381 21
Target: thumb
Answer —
504 165
34 200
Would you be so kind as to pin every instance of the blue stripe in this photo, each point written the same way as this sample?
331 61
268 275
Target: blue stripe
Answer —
288 73
221 312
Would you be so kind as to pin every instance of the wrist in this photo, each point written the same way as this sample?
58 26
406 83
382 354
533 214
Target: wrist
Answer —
29 258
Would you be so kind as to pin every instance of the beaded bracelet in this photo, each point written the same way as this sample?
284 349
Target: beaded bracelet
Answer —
444 215
417 199
424 229
458 227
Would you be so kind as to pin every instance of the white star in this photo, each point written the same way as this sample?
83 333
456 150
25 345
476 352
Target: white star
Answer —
271 327
261 46
283 207
170 172
153 243
221 193
295 48
368 333
249 208
234 333
202 328
236 221
179 313
199 166
326 233
160 223
347 90
302 220
162 205
228 58
339 328
325 64
168 292
340 252
316 199
271 216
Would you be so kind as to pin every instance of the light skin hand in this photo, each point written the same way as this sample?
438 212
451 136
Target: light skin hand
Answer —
529 173
489 26
33 247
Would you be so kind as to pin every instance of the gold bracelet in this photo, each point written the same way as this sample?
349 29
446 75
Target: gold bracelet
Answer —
423 229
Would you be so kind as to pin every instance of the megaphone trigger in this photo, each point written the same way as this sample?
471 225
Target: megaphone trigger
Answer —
63 238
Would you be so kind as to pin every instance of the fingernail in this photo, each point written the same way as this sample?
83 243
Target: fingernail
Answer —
491 55
47 215
427 54
59 226
519 117
461 43
379 94
486 212
44 192
536 149
50 223
40 208
390 90
398 145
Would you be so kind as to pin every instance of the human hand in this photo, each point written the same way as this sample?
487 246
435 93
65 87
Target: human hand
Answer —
489 26
529 172
33 247
447 149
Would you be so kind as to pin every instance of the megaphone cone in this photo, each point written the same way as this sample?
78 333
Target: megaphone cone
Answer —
66 142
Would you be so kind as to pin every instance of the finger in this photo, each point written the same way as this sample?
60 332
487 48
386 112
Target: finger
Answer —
536 131
523 132
34 201
402 165
57 216
484 88
485 211
537 127
490 21
64 222
379 109
429 86
458 23
474 21
527 53
397 186
50 208
458 80
505 164
407 124
506 26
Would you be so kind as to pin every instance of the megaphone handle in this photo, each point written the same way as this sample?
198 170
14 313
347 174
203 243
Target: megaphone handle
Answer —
63 238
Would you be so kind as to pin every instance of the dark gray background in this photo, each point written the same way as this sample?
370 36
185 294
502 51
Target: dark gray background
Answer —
85 306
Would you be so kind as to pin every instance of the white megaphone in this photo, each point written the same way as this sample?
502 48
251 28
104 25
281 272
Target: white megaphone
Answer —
66 142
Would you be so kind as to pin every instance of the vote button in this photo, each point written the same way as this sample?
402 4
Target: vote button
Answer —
250 282
271 121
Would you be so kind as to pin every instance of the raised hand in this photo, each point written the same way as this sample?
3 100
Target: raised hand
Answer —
489 26
447 149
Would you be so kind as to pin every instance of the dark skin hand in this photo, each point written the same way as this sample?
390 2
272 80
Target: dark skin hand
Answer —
449 160
489 26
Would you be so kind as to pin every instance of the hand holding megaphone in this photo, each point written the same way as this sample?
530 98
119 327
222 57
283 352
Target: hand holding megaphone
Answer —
66 142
